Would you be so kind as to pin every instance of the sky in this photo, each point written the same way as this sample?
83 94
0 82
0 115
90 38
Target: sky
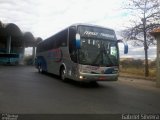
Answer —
44 18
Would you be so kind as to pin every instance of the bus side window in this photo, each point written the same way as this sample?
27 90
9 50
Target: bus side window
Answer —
72 45
64 38
61 39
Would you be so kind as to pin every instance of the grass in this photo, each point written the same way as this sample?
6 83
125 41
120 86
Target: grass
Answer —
138 72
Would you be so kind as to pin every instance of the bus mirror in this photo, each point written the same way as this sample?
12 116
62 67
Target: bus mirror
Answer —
125 49
78 43
125 46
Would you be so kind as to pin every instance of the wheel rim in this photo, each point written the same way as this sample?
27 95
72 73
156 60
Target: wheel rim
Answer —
63 74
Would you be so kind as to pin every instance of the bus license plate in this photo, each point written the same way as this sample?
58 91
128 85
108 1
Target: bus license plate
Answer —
102 78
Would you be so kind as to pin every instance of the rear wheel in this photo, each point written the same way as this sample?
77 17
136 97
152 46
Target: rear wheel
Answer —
40 69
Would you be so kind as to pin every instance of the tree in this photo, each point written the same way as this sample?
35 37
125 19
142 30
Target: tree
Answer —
147 18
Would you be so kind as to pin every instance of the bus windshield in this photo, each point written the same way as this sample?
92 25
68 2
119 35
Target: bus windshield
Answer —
97 52
98 46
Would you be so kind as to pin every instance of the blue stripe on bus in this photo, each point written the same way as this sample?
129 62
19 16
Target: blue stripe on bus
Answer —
78 43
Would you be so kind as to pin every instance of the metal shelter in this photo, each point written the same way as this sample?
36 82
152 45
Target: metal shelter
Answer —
156 34
13 43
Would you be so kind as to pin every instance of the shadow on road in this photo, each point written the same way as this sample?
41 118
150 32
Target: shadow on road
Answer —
75 83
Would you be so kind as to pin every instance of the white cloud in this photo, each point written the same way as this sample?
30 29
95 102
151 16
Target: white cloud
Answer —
59 14
45 17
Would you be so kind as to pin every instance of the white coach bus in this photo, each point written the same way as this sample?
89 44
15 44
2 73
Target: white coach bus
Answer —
81 52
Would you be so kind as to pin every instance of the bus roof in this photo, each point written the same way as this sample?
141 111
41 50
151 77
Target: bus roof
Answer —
78 24
86 24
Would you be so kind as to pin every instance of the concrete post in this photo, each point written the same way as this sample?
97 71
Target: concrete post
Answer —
9 44
158 61
22 55
33 54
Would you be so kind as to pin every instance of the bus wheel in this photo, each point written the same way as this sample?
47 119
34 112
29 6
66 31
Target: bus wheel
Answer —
62 74
40 69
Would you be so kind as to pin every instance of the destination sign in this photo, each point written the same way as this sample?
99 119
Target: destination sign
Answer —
96 32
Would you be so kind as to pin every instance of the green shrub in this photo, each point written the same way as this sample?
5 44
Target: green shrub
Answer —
136 67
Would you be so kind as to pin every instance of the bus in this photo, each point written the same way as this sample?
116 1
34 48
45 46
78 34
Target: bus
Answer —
81 52
9 58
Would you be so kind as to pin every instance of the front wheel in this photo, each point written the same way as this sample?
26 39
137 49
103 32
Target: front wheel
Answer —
62 74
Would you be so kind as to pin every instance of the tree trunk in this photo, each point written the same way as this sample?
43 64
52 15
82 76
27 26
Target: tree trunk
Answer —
145 47
146 62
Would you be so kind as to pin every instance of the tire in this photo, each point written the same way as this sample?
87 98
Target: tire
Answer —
62 74
40 70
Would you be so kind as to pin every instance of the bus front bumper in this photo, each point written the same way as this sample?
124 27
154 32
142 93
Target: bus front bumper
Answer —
97 77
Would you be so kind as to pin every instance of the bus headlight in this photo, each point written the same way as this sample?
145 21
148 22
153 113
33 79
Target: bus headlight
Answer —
81 77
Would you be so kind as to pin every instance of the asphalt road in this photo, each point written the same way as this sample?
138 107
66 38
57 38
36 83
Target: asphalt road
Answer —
24 90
